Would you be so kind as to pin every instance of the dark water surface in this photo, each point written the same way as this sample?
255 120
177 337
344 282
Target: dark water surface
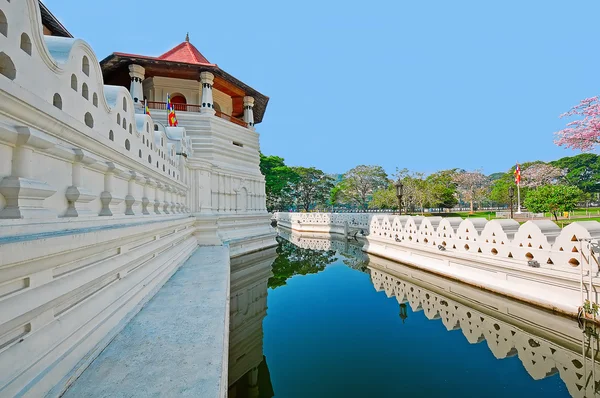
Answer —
331 330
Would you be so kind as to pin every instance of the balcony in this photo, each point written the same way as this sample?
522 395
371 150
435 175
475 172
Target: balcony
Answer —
195 108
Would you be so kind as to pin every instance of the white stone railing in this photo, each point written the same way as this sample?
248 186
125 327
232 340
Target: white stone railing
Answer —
539 240
77 147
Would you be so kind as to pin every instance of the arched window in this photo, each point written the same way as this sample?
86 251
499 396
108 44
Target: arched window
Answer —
130 129
25 43
84 91
143 140
149 159
157 165
127 146
162 143
3 24
148 143
140 153
57 101
89 121
125 104
147 128
74 82
156 127
151 146
85 65
119 119
111 135
95 100
164 168
124 123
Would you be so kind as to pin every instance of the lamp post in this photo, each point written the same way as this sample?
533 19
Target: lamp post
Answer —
399 192
511 195
403 312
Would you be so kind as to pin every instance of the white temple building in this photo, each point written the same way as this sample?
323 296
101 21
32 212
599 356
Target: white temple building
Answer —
101 203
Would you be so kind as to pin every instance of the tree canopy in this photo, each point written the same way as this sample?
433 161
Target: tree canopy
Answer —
312 187
359 183
553 198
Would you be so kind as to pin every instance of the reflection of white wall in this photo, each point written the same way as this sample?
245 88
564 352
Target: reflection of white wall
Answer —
248 307
541 357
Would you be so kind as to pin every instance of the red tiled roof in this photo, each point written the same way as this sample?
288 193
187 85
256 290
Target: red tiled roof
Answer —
185 52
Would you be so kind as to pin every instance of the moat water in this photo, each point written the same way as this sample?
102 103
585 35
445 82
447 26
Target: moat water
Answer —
335 323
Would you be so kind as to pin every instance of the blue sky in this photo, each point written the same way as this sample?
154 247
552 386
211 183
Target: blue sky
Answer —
425 85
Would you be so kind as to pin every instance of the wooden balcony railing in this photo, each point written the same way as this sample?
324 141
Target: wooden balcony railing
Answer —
230 118
195 108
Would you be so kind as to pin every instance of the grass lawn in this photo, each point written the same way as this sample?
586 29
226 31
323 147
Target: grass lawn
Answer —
580 214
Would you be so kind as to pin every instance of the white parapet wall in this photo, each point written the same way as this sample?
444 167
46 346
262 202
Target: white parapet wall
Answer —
496 255
99 204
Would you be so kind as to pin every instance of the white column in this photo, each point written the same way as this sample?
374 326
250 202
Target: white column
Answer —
248 111
206 81
136 72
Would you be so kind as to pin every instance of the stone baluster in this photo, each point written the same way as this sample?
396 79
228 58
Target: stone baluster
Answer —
148 184
157 187
77 196
172 200
130 200
24 194
249 112
109 200
165 203
178 205
206 81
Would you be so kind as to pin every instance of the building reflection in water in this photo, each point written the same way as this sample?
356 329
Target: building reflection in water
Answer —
251 276
248 371
547 344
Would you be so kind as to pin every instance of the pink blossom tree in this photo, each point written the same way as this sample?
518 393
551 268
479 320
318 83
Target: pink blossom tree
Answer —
472 186
583 133
539 174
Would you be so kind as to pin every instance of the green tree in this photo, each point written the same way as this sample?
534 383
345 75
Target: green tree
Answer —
473 186
553 198
335 195
583 171
441 189
414 189
359 183
293 260
278 182
312 187
384 198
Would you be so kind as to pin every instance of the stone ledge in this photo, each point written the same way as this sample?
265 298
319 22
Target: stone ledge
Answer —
177 345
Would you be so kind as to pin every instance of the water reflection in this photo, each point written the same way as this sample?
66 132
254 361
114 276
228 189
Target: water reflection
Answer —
248 371
546 344
330 333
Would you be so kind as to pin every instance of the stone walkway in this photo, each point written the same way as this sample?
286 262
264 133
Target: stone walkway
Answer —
177 345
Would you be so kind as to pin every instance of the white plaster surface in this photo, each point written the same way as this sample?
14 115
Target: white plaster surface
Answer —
177 345
489 254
